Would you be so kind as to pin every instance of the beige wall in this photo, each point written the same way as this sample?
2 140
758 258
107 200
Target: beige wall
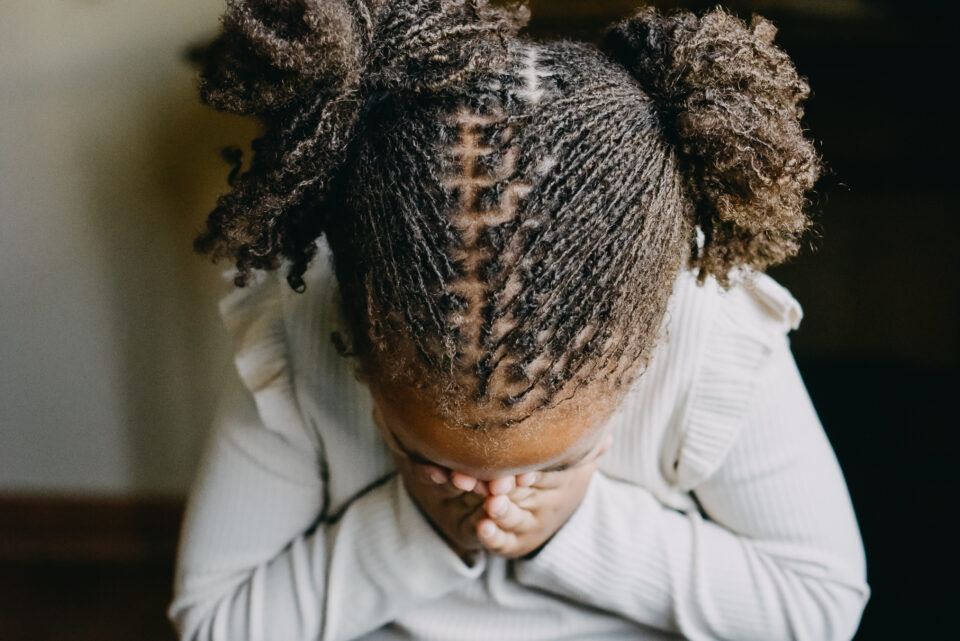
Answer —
110 346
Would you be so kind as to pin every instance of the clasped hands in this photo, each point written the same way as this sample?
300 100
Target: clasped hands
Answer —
511 516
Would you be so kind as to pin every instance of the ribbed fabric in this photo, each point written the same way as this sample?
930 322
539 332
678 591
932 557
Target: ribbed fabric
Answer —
298 528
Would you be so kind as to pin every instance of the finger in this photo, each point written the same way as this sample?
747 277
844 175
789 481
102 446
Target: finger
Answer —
495 539
431 473
509 516
463 481
550 480
437 474
426 475
521 494
503 485
528 478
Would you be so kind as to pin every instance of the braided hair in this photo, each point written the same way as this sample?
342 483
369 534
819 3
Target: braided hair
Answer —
507 216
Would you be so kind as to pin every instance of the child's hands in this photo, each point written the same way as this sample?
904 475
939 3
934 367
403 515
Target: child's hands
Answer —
522 521
511 516
521 513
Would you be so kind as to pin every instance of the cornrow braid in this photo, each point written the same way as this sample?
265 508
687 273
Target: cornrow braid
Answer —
507 217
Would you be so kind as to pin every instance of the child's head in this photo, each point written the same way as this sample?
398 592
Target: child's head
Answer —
507 216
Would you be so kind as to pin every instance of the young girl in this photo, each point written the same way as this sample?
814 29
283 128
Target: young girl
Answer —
509 367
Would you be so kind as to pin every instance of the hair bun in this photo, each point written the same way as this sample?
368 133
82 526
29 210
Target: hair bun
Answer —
268 53
732 101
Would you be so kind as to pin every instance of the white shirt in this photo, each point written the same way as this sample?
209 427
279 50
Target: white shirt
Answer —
720 512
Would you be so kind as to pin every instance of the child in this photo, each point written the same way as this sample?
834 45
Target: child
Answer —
510 365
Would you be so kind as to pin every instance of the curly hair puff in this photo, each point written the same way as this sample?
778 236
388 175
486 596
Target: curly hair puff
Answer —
732 102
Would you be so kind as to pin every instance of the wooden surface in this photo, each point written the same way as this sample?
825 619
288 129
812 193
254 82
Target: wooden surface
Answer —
108 529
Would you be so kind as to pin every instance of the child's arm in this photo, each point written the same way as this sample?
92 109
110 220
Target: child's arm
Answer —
779 558
249 566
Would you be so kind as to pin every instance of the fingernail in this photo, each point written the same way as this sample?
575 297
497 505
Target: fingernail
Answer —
498 506
487 529
438 477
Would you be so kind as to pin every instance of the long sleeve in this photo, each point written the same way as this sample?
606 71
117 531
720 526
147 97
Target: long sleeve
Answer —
254 563
776 553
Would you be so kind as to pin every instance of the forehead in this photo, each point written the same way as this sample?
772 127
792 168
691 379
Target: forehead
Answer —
548 437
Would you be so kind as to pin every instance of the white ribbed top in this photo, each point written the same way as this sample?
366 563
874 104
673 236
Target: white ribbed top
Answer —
719 513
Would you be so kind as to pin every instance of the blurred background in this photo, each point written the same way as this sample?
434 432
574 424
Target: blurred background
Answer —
112 351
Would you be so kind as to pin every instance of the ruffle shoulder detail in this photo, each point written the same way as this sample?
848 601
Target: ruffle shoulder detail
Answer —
254 316
744 326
